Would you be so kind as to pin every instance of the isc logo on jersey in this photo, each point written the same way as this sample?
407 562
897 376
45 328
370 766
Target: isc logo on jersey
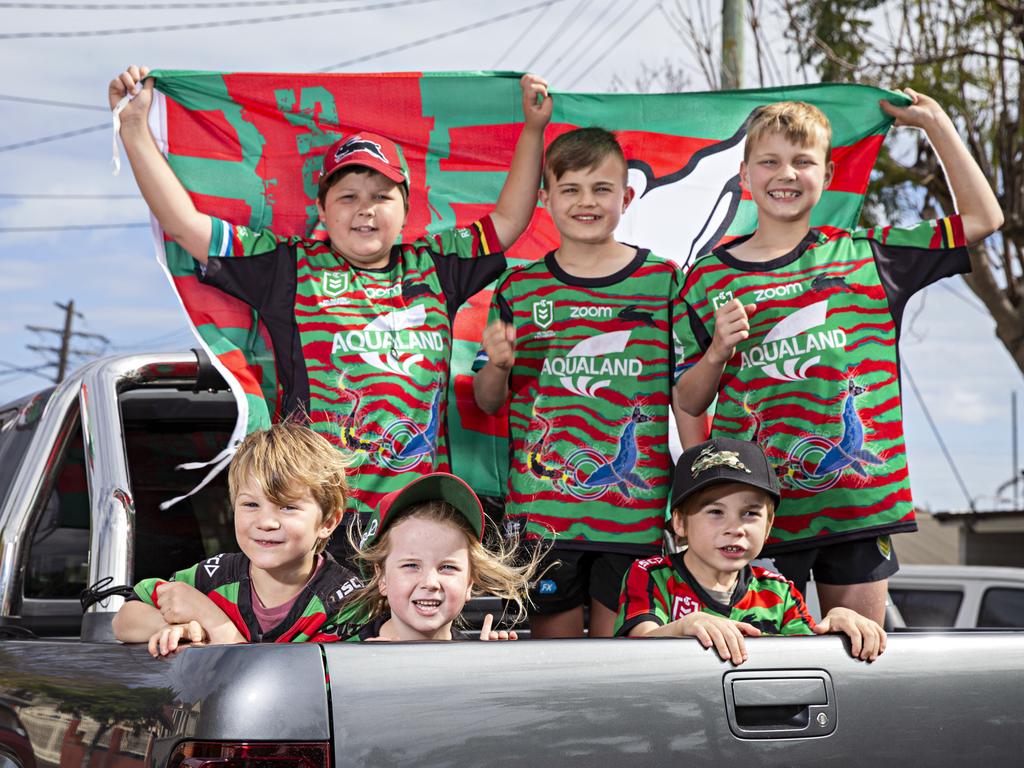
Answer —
684 605
789 349
579 370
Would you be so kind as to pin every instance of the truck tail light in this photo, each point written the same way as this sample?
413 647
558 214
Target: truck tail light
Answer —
265 754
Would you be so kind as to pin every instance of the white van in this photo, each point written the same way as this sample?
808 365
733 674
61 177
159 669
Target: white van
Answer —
959 595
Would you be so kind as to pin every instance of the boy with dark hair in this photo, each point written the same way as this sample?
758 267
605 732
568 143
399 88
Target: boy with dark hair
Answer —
795 330
361 325
288 492
580 345
724 498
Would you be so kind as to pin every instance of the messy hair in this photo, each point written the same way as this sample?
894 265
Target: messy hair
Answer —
325 183
287 459
801 123
493 572
580 150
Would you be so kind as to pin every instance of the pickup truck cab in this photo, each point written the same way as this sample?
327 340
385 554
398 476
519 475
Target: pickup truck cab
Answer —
83 469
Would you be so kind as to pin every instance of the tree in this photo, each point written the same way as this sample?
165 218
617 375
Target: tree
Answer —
969 55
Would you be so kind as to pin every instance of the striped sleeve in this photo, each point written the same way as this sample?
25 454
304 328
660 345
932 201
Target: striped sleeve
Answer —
145 590
641 599
228 240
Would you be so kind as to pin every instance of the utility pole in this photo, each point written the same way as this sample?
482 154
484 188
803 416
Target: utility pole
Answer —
64 351
732 44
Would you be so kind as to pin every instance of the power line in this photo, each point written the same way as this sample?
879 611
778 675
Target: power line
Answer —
441 36
938 436
618 40
160 6
210 24
64 351
559 31
65 196
524 33
583 51
53 103
55 137
580 38
72 227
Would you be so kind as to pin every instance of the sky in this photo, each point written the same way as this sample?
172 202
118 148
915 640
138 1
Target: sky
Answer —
47 188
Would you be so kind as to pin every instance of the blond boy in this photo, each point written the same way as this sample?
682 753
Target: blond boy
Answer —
795 330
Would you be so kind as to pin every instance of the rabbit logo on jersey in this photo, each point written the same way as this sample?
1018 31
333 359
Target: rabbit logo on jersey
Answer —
583 370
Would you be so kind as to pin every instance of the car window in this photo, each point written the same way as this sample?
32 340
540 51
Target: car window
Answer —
1002 607
927 607
58 550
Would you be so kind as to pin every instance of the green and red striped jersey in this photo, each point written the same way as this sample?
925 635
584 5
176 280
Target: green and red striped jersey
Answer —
662 590
589 397
363 354
321 612
817 382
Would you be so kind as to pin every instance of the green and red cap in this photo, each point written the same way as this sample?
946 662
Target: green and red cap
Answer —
437 486
367 150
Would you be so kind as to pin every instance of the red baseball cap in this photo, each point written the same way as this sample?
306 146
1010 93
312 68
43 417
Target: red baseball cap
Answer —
368 150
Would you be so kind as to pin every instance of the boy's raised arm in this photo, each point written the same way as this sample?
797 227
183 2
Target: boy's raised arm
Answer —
160 188
698 385
975 201
518 198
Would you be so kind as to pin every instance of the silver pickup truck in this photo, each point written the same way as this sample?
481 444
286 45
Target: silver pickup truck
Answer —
83 468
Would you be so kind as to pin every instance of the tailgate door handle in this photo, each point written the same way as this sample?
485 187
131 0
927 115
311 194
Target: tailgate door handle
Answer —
780 704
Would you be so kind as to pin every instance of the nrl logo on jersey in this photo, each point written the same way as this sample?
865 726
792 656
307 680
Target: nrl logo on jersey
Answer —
543 313
583 369
335 282
789 349
684 605
722 298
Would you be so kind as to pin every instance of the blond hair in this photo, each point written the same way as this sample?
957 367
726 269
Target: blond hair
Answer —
491 572
287 459
801 123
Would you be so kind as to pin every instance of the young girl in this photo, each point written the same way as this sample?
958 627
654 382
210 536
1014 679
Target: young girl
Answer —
423 549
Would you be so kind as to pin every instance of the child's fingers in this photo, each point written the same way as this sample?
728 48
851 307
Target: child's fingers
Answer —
510 333
513 635
749 309
748 629
856 641
153 646
485 630
195 632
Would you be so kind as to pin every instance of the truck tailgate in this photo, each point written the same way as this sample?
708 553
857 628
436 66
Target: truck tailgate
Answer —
931 699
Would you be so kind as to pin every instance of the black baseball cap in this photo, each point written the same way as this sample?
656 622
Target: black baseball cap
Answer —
437 486
723 460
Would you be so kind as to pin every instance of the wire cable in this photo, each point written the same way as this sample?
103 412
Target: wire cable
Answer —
583 51
526 30
560 30
617 41
938 436
53 103
440 36
576 44
210 24
160 6
56 137
63 196
72 227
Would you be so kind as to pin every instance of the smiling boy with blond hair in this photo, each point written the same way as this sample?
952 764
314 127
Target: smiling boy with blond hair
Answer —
794 329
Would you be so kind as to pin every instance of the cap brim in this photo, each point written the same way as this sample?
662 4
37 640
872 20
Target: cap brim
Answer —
384 169
444 487
719 479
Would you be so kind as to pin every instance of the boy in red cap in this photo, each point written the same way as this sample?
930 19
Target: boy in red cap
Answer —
360 325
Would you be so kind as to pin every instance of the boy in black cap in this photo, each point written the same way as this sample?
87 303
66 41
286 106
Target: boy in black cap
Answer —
724 499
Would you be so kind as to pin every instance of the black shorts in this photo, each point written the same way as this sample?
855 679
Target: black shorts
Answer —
570 576
851 562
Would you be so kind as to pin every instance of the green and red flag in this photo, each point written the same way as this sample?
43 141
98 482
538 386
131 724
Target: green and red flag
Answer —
248 147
